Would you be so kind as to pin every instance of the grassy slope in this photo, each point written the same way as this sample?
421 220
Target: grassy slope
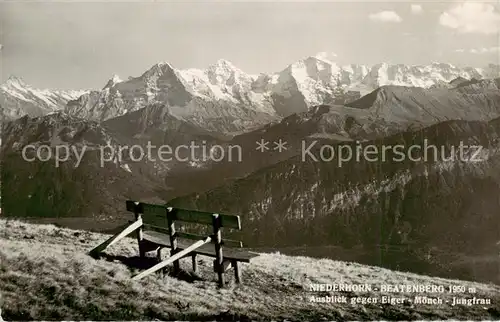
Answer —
45 274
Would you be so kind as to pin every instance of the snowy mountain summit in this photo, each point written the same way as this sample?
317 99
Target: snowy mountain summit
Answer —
18 99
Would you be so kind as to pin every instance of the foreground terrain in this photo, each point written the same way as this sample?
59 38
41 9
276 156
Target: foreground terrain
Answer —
45 274
434 215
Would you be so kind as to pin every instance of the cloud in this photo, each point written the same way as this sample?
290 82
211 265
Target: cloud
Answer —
483 50
385 16
472 17
416 9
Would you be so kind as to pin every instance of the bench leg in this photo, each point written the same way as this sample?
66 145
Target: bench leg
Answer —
142 254
237 273
173 241
158 257
177 266
219 257
140 237
195 263
220 274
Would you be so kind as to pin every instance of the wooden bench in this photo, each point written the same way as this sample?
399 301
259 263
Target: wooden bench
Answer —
155 227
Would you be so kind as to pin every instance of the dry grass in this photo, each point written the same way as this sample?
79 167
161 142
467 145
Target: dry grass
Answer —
45 274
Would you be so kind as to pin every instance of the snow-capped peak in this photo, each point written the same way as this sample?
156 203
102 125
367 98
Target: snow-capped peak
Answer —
326 56
159 69
113 81
164 66
225 64
14 81
21 99
116 79
224 73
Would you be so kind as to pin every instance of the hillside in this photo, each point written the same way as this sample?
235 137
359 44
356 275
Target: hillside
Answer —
402 105
45 274
384 112
43 189
435 216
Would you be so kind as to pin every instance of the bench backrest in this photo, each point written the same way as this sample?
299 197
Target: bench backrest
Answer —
159 217
160 214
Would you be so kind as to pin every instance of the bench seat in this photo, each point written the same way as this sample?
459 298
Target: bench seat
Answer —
207 250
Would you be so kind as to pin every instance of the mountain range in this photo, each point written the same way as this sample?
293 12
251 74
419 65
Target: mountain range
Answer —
18 99
223 98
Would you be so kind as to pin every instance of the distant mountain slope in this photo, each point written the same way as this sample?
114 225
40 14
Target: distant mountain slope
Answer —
423 76
62 282
211 106
385 111
18 99
86 189
106 175
154 125
471 101
443 206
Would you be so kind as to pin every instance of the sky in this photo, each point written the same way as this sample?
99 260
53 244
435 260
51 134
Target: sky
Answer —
80 45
